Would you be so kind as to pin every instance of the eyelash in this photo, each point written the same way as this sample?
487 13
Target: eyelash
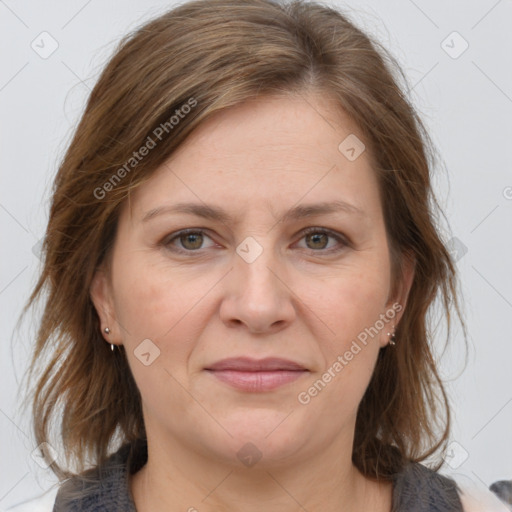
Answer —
166 242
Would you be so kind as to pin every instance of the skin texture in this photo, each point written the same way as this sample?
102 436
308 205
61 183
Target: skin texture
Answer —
299 299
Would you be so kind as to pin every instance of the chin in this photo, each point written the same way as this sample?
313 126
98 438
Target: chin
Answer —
263 438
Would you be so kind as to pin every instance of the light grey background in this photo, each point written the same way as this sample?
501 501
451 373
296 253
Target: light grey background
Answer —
465 100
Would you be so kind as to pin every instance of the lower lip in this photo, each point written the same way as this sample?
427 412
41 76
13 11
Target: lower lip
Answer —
257 381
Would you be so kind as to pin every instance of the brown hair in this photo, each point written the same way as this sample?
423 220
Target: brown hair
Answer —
211 55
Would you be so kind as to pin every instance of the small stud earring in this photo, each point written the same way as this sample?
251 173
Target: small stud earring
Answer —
106 330
392 339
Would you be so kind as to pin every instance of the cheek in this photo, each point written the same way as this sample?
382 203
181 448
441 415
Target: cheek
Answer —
151 301
351 300
351 350
351 304
153 304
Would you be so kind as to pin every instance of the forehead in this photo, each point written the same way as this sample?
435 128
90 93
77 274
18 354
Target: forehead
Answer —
301 126
266 154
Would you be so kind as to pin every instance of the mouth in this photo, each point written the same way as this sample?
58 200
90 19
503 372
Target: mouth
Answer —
253 375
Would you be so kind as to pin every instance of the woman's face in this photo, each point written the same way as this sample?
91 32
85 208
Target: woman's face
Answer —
250 282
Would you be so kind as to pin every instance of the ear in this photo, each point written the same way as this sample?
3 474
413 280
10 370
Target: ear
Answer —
397 302
405 283
102 297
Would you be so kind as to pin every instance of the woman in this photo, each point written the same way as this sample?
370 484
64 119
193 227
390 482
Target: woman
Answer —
240 257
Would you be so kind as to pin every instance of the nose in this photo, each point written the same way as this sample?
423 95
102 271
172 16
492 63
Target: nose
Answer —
257 295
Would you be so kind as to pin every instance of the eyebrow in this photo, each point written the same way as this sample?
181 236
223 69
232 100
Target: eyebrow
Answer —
218 214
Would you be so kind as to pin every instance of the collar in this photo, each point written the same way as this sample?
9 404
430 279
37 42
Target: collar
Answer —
105 487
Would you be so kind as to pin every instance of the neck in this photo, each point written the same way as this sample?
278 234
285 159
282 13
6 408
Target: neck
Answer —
178 478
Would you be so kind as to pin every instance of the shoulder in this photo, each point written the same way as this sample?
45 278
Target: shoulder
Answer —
419 488
475 497
41 503
98 488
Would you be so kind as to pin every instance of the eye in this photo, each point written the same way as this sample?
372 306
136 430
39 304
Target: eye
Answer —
190 240
317 239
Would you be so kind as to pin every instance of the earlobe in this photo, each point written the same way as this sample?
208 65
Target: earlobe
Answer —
398 302
101 296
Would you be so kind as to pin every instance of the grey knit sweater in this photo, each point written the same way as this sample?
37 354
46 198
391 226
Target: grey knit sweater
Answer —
416 488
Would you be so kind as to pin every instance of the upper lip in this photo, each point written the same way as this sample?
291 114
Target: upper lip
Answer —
254 365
